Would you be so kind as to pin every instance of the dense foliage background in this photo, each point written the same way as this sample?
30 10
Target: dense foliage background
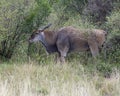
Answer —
18 19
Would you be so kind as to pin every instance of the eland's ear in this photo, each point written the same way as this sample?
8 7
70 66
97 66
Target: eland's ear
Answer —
35 31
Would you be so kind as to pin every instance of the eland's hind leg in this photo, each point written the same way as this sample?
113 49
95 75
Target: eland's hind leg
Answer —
93 48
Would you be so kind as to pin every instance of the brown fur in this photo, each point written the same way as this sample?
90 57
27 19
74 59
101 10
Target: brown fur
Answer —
81 40
50 37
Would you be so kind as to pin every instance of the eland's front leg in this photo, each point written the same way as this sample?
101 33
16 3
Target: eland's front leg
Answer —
63 47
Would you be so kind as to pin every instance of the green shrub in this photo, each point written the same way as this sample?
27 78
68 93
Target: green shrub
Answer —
113 23
113 44
18 19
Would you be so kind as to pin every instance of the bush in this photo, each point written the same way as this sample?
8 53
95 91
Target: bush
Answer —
113 23
17 21
97 10
113 44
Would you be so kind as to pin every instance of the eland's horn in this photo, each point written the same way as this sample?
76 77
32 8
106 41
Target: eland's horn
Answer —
47 26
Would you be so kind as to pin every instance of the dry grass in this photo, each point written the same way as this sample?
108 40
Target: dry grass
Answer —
55 80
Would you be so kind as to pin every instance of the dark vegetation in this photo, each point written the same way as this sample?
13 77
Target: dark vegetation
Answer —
18 19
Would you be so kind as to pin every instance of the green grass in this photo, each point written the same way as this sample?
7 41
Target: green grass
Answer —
70 79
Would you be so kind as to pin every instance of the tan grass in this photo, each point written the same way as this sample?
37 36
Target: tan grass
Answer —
55 80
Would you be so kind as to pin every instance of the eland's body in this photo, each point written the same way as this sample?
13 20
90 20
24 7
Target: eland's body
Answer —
69 39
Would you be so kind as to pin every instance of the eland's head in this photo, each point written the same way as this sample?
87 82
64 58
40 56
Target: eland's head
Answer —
38 35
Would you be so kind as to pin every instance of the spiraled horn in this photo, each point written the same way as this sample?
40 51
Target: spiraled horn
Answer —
47 26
